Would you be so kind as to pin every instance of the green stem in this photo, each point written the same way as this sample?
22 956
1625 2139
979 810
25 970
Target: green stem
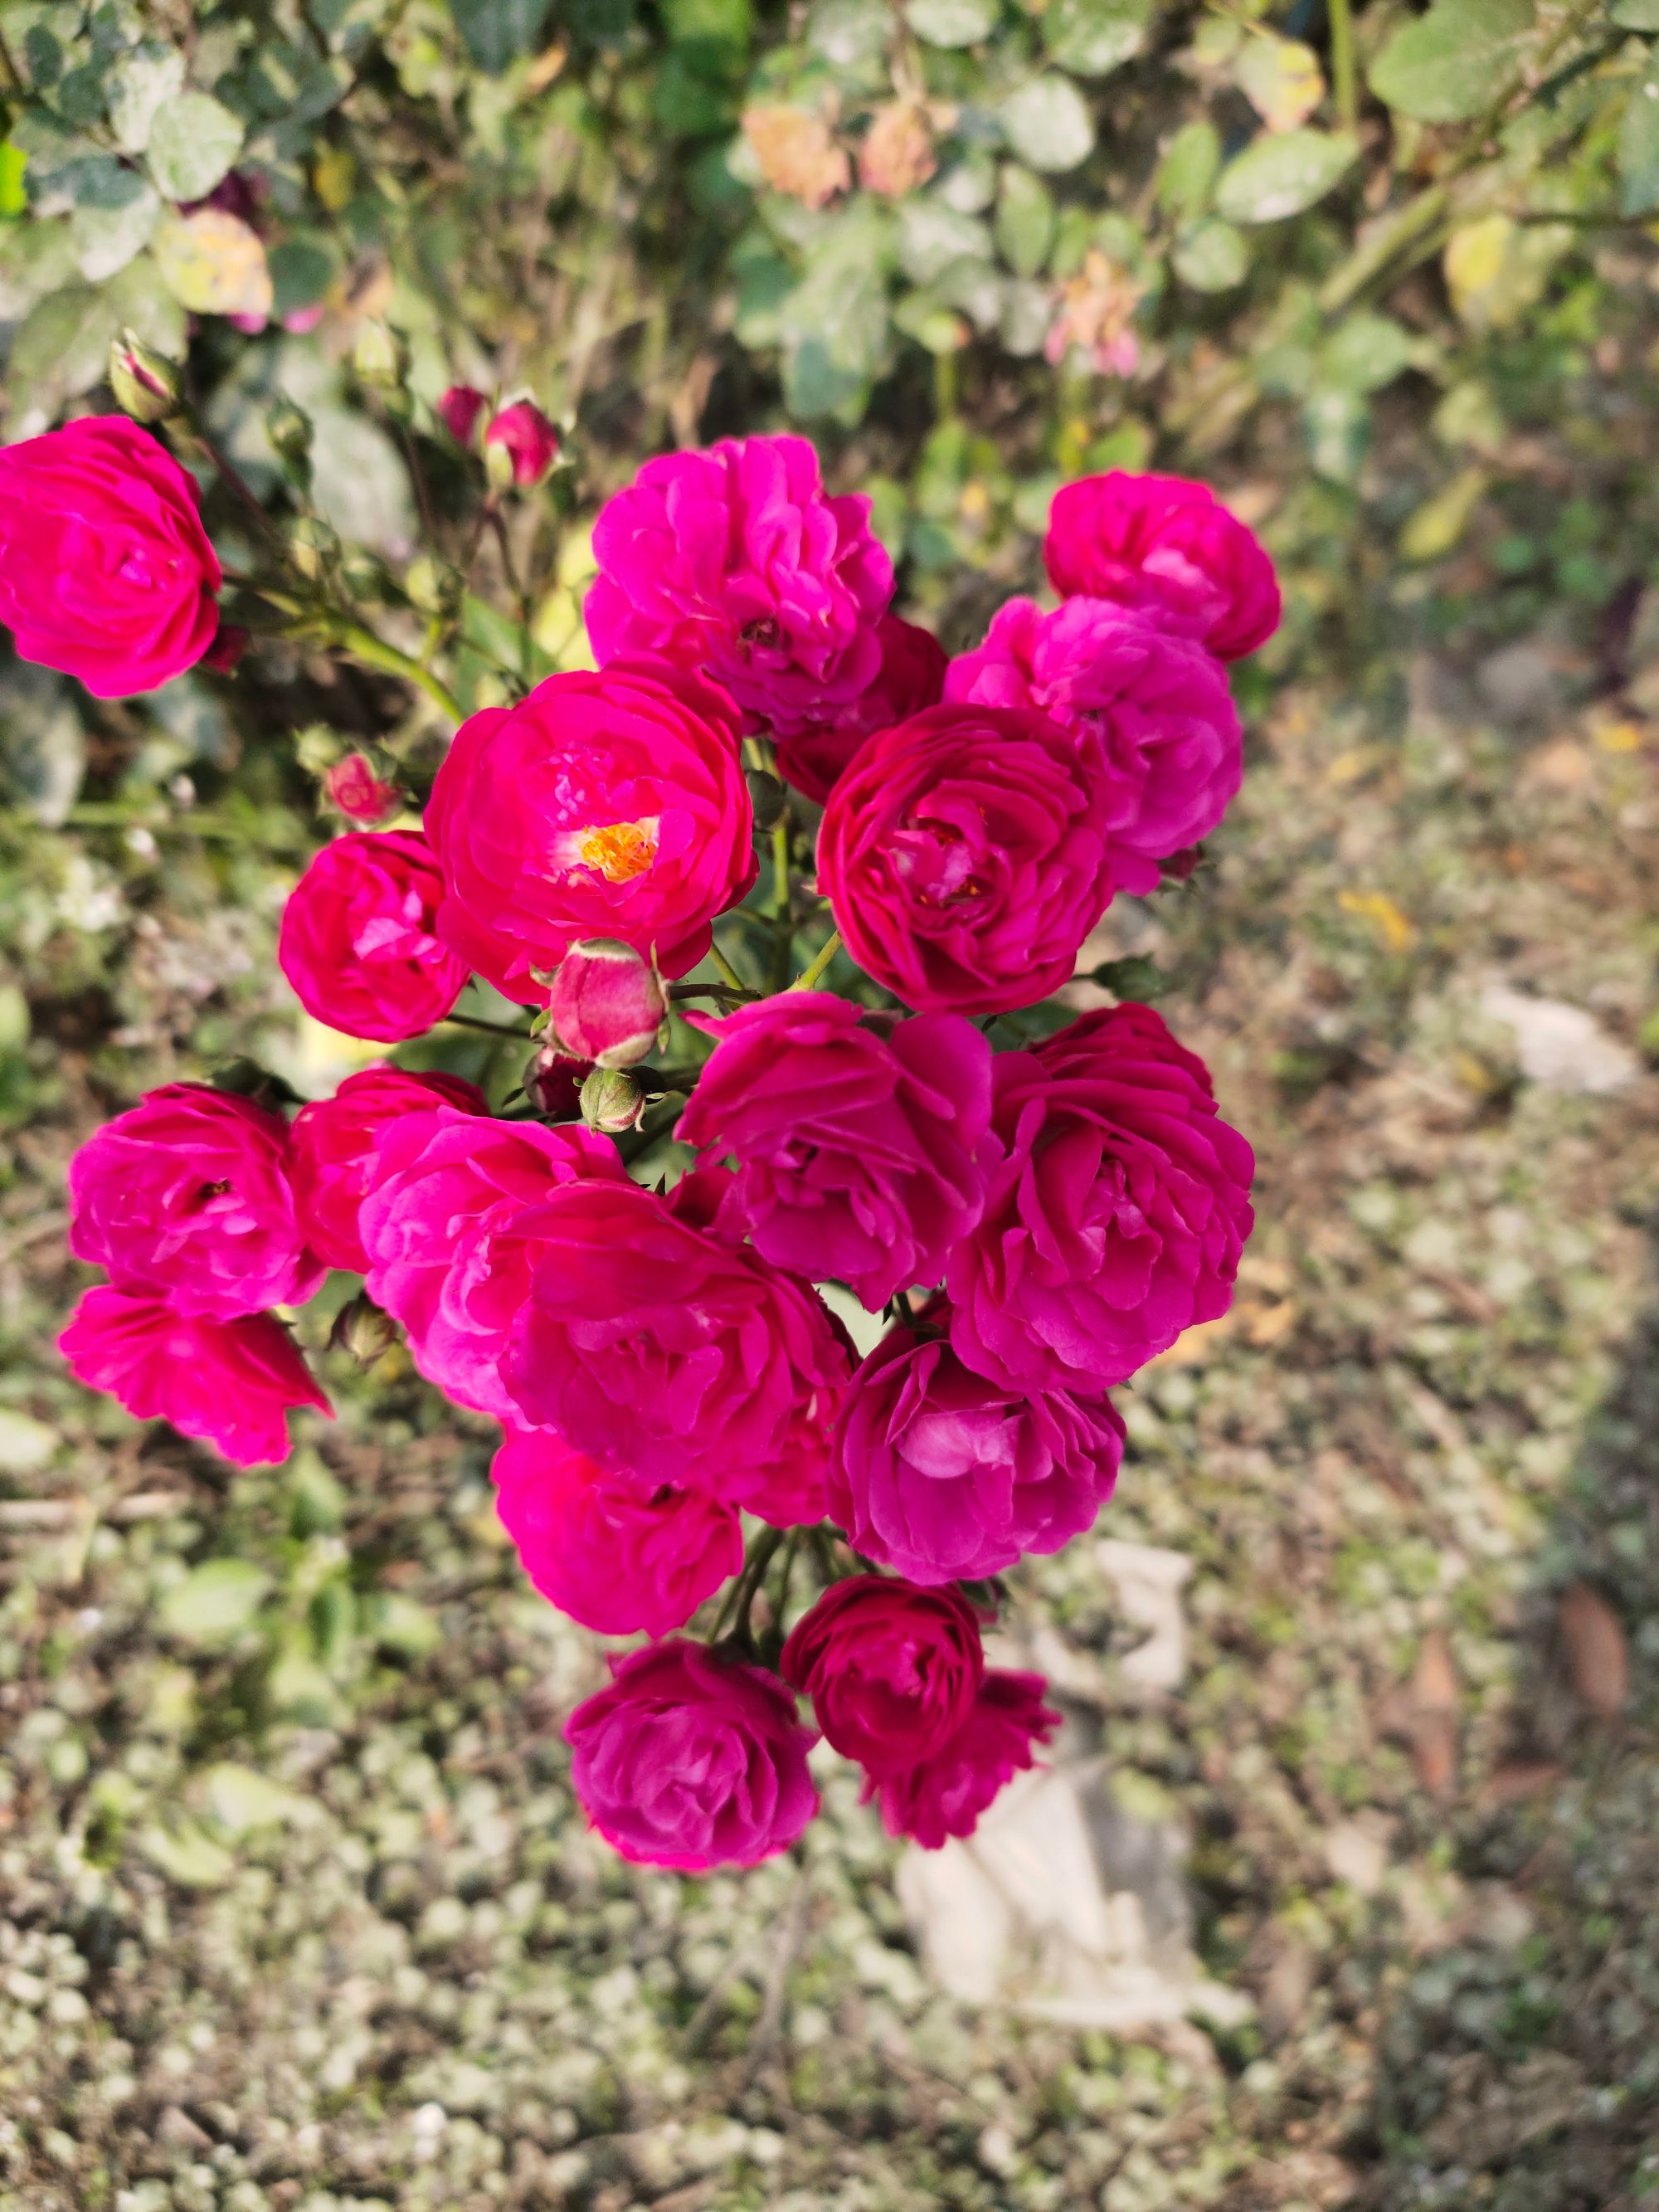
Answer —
491 1029
754 1574
1344 82
783 926
374 652
815 967
733 980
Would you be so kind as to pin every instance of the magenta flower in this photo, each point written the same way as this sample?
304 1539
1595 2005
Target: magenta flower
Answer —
187 1195
654 1344
446 1222
736 562
945 1476
352 787
519 445
965 856
1156 704
229 1383
459 409
601 805
1117 1217
1169 547
862 1145
685 1759
892 1671
614 1553
106 572
333 1143
813 753
946 1793
357 942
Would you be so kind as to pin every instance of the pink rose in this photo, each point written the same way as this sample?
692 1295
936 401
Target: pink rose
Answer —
862 1145
519 445
1117 1217
601 805
352 786
813 754
734 561
106 571
333 1144
229 1382
1156 704
685 1759
357 943
446 1226
965 854
1167 547
945 1795
187 1195
607 1004
652 1343
614 1553
944 1475
459 409
892 1671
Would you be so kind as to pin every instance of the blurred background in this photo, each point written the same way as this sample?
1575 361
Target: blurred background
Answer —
1342 1891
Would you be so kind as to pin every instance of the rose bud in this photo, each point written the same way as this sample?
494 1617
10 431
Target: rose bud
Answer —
608 1003
288 429
553 1082
146 385
363 1331
381 357
611 1101
230 642
458 410
352 787
520 447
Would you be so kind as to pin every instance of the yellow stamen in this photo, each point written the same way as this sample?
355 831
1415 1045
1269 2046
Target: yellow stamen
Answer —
619 850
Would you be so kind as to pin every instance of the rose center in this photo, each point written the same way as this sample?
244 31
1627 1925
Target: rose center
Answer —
764 633
618 850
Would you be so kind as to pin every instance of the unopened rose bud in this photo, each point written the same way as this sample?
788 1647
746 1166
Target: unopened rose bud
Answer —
458 410
363 574
381 357
553 1082
608 1003
352 786
146 384
313 546
611 1102
363 1331
317 748
288 429
433 588
230 642
520 447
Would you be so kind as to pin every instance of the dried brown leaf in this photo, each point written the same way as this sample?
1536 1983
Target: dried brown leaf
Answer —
1598 1657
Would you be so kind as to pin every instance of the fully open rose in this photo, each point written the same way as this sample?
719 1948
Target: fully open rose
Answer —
357 942
332 1148
946 1793
892 1671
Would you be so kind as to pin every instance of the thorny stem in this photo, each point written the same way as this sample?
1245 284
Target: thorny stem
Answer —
815 967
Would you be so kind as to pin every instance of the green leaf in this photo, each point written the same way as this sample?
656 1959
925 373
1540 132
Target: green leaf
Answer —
1025 220
1047 123
1454 62
106 239
1279 176
139 84
1637 14
215 1601
402 1625
1638 148
25 1444
188 1856
1212 256
932 235
1364 353
193 140
952 22
239 1798
1338 426
852 34
1135 977
496 32
1187 174
1094 37
14 193
833 327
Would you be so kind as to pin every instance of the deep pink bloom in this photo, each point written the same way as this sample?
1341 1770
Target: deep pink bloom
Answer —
607 1003
333 1143
654 1344
229 1382
187 1195
1168 547
964 853
357 941
614 1553
554 1083
230 641
736 562
601 805
447 1225
813 753
944 1795
1155 703
459 409
892 1671
525 442
352 786
1117 1217
944 1475
106 571
861 1146
685 1759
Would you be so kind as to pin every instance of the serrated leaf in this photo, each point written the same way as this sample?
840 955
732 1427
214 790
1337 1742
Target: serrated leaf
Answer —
1451 64
952 22
496 33
193 140
1212 256
1282 80
1025 220
1047 123
214 1600
1277 177
139 83
213 264
1091 38
1638 148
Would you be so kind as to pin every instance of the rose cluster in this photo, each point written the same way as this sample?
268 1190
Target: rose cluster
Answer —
1035 1221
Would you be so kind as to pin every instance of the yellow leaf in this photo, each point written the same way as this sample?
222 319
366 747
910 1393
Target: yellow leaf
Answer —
1282 80
1392 930
1432 530
213 264
1475 261
1622 737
